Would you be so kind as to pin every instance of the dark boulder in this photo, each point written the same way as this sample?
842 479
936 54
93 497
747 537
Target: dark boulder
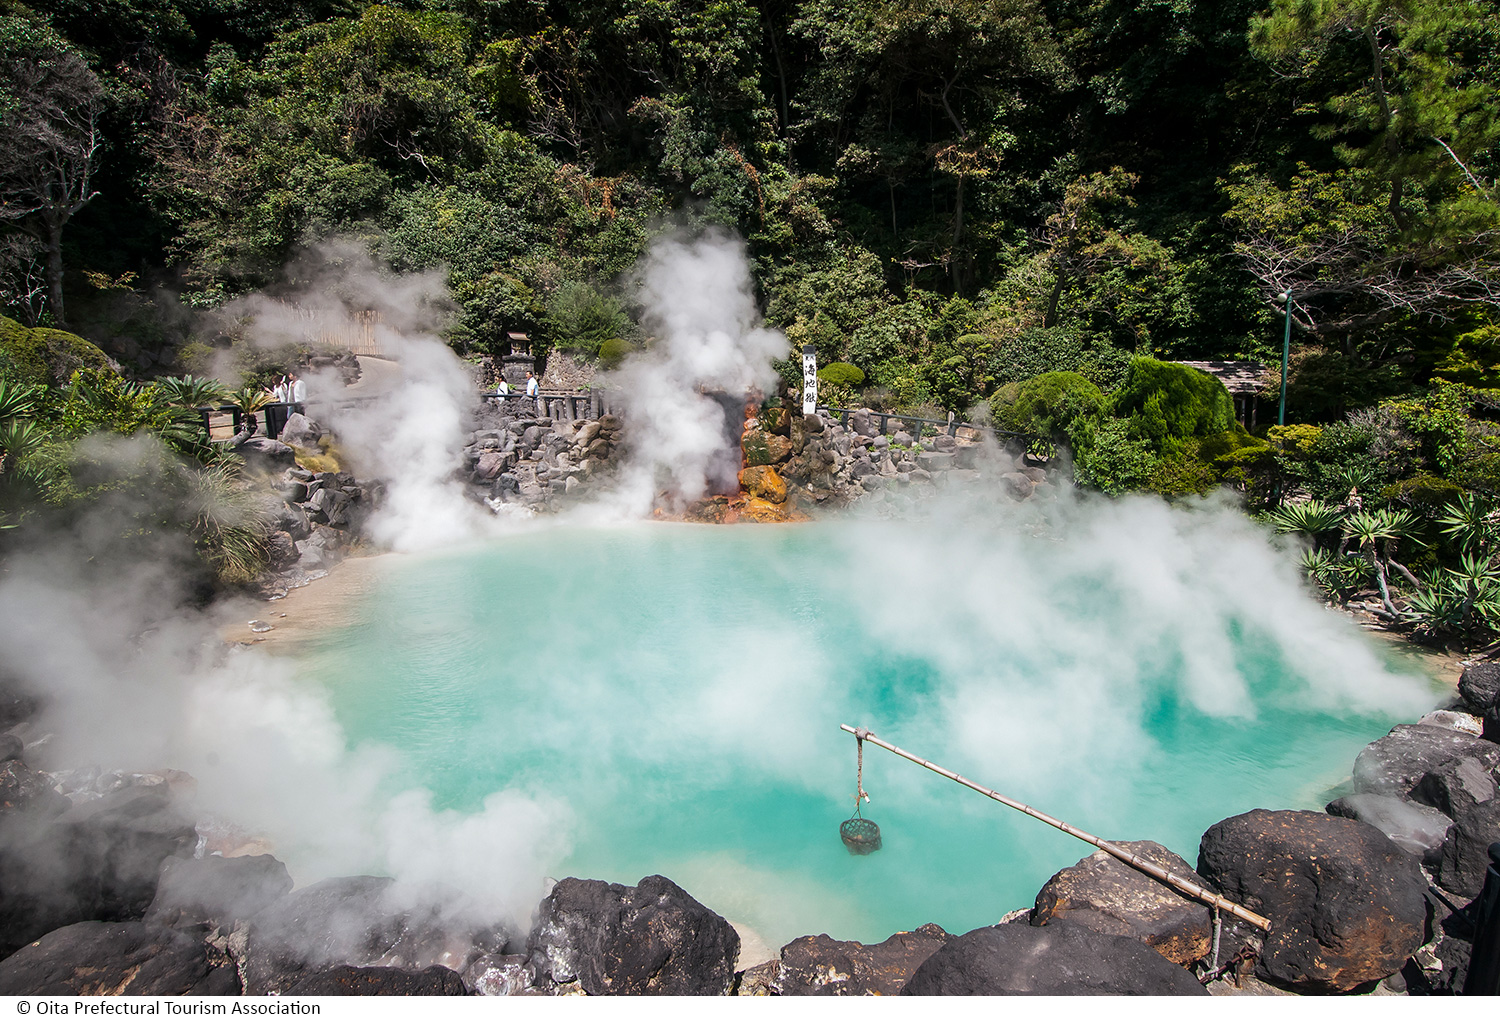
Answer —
1061 959
1105 894
1394 764
652 938
1420 829
11 747
1465 791
349 920
346 980
117 958
1479 687
1346 904
98 861
499 974
263 452
823 966
301 431
23 789
216 891
15 705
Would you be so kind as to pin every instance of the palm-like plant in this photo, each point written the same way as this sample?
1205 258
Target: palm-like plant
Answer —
1376 534
1467 522
192 391
18 400
1462 601
250 399
1311 517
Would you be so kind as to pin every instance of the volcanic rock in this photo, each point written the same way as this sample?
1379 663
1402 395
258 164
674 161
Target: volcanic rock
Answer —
23 789
300 431
261 452
1466 792
1394 764
98 861
1464 723
761 447
763 482
115 958
216 891
1061 959
652 938
822 966
1479 686
345 921
1017 485
346 980
933 461
499 974
1346 904
1105 894
1419 829
11 748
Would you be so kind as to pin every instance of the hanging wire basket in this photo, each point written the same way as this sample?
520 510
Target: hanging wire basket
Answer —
860 835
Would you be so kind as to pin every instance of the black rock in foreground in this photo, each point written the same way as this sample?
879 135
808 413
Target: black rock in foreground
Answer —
116 958
1060 959
651 939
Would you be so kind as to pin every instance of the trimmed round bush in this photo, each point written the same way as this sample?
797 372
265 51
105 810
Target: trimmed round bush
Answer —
841 374
613 351
1051 405
48 356
1165 403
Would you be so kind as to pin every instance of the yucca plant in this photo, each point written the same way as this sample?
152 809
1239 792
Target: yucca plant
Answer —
1376 534
192 391
250 399
1461 601
1468 521
18 400
1311 517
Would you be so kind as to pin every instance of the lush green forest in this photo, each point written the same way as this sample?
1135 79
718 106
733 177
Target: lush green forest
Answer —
1016 206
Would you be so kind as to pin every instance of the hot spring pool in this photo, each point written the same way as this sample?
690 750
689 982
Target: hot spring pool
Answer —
676 692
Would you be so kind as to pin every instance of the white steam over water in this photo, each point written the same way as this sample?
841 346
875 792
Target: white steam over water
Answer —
1034 645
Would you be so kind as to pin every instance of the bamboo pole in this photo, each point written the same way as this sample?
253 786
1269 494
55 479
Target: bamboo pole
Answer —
1151 869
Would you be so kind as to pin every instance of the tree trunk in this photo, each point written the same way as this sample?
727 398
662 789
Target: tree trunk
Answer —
1049 320
53 244
958 229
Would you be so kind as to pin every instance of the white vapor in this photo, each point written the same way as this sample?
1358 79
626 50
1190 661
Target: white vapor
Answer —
700 306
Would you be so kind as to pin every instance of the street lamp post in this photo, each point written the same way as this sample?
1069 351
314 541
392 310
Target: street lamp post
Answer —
1286 344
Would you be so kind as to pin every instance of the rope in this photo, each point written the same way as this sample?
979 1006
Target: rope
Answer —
1217 928
859 772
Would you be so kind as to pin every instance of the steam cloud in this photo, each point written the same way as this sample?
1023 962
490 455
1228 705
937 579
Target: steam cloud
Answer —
700 303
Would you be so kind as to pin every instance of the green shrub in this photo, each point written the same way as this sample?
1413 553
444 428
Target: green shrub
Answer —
1165 404
1227 442
1054 405
1424 493
613 351
1112 461
580 318
47 356
1182 474
841 374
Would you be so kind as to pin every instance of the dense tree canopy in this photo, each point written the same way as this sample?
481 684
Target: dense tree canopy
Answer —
953 195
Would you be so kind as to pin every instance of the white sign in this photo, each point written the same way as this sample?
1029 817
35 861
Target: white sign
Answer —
809 380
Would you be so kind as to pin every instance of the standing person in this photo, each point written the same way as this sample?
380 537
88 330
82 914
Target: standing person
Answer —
502 388
531 387
297 392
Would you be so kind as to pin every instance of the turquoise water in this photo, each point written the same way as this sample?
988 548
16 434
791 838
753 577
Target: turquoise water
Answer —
679 690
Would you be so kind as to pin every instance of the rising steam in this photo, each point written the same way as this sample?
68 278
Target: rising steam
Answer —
700 306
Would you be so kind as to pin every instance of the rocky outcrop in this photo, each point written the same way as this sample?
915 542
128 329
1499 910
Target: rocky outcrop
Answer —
97 861
1061 959
117 958
1419 829
1479 687
652 938
345 980
1105 894
315 518
350 921
1465 791
1394 764
516 458
823 966
216 892
763 483
1346 904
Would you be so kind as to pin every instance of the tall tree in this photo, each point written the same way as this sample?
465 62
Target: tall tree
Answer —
50 138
